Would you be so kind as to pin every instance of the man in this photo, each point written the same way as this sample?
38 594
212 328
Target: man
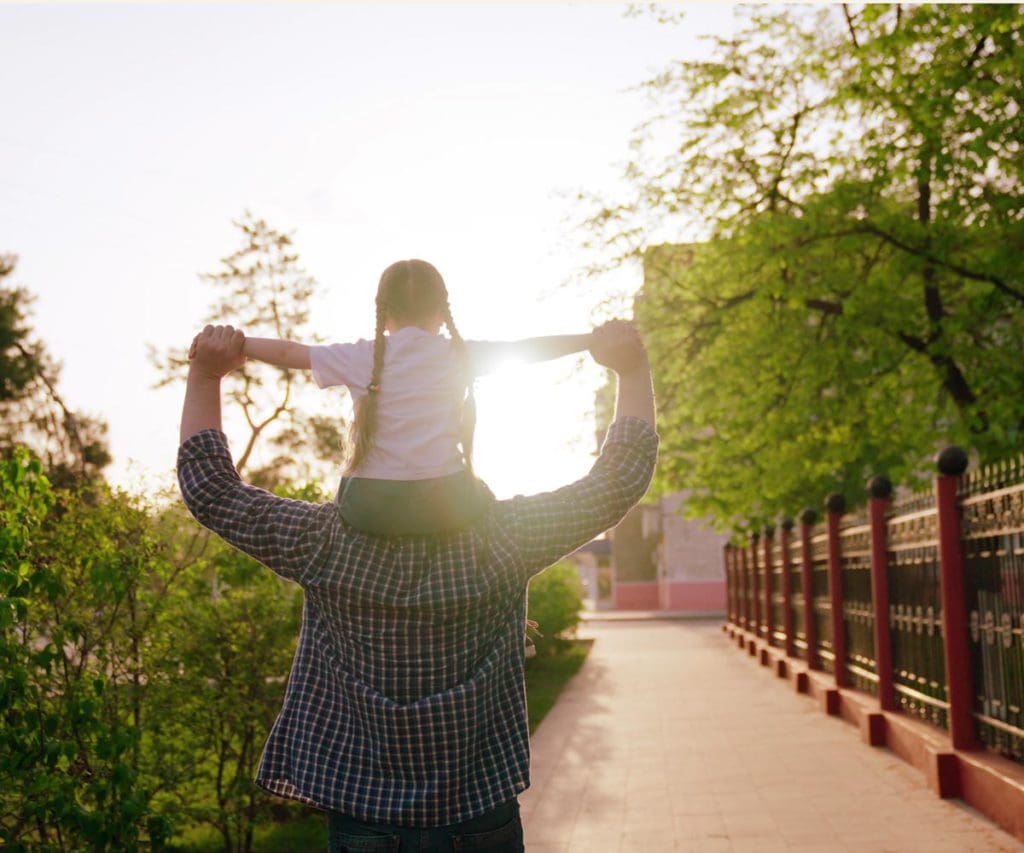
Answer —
405 714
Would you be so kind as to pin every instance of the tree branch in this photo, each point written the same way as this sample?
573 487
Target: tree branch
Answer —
867 228
978 47
824 306
258 428
70 421
849 26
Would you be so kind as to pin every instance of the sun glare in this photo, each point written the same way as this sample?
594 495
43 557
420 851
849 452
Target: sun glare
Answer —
528 419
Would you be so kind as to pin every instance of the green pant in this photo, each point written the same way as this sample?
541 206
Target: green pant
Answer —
411 507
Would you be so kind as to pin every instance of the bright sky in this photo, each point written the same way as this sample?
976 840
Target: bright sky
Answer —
133 134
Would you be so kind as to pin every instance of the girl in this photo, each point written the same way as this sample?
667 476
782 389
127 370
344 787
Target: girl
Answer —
410 470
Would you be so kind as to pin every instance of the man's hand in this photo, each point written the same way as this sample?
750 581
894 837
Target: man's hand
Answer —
217 350
617 345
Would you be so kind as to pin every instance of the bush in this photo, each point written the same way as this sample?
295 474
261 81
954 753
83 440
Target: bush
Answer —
555 600
74 565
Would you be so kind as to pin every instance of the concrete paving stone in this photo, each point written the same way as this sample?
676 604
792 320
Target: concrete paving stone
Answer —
752 826
647 840
708 845
698 827
684 803
669 739
758 845
599 834
816 847
955 842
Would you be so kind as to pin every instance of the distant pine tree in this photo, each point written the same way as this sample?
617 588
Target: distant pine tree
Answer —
72 445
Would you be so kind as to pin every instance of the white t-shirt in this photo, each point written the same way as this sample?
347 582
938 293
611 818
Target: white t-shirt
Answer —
422 386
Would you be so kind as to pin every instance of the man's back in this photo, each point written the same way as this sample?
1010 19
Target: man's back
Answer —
405 704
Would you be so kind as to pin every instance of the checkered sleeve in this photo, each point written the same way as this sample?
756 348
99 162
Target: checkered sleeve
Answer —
283 534
548 526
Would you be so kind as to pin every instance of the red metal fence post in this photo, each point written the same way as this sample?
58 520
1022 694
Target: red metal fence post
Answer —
787 590
741 553
881 489
755 589
836 506
807 519
769 616
730 583
952 462
734 571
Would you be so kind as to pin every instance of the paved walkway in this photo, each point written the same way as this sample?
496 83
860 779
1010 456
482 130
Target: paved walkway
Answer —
671 739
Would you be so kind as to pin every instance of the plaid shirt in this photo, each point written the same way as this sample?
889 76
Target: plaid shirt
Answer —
405 703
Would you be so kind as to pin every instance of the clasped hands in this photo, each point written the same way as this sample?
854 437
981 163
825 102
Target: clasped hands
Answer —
617 345
217 350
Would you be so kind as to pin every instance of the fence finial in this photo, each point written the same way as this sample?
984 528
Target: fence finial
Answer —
786 523
836 502
952 461
809 516
880 487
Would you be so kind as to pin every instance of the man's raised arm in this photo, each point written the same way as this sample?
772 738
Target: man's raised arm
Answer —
282 534
617 345
217 351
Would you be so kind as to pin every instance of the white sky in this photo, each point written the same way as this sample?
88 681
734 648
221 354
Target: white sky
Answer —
131 135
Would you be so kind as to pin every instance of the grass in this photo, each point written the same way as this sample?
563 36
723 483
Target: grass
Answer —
546 677
306 832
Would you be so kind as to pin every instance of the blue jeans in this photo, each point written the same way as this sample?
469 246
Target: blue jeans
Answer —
497 831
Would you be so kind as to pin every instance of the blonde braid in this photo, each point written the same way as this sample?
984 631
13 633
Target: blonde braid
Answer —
364 424
469 404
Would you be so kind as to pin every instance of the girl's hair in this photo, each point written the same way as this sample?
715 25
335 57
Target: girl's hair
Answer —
409 293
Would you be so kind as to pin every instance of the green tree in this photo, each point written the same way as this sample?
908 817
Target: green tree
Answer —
231 625
74 569
262 289
72 445
229 647
839 290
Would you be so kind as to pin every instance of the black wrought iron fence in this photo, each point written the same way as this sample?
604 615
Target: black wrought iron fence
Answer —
993 538
960 667
915 611
820 599
778 599
858 614
796 600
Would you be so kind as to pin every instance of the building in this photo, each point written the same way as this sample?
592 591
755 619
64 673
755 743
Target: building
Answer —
655 559
658 559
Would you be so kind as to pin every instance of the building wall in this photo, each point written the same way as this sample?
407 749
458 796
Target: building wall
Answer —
690 549
666 562
691 574
633 549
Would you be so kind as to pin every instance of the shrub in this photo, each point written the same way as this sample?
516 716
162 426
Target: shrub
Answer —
73 601
555 599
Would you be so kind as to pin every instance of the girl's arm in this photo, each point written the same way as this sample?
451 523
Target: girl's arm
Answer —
547 348
535 349
278 353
